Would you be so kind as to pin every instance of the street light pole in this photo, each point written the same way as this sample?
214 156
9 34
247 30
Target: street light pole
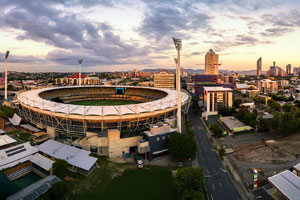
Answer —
177 43
5 87
79 62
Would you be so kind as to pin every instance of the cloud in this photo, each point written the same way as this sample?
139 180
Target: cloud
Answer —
167 19
43 21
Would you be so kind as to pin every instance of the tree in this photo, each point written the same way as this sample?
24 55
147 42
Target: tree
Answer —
297 103
237 102
291 98
189 179
60 168
192 195
288 108
217 131
182 146
274 105
57 190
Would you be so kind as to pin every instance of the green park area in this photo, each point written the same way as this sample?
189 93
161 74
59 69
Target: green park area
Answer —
103 102
118 181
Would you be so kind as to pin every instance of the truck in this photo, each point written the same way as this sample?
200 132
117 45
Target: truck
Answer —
139 161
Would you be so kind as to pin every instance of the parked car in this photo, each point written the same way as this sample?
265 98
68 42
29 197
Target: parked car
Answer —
139 161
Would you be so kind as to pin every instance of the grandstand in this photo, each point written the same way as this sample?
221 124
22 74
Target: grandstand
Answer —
52 109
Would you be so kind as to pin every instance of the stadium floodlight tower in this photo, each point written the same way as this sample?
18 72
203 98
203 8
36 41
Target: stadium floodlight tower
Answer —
178 45
79 78
5 87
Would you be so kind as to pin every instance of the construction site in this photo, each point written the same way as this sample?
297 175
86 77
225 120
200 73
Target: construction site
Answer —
268 157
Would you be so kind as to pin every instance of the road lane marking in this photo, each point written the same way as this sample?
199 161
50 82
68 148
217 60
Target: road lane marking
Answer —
213 186
220 185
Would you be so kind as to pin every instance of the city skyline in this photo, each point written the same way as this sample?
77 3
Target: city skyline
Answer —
120 36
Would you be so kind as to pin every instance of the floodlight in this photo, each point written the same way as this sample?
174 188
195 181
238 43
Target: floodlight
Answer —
6 55
175 59
177 43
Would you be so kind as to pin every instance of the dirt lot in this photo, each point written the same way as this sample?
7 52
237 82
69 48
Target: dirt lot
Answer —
279 151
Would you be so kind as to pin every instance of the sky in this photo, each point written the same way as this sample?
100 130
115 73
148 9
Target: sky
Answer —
119 35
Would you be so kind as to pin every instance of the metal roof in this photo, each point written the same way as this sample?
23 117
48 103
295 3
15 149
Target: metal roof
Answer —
5 140
74 156
42 161
14 155
287 183
33 99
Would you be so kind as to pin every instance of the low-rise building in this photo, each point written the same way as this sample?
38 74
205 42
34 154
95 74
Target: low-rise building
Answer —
234 126
241 86
158 139
252 93
78 159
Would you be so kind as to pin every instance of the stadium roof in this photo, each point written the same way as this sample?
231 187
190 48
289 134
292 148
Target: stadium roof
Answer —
74 156
287 183
33 99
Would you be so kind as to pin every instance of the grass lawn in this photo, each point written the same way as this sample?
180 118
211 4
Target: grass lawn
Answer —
146 184
14 132
103 102
25 137
120 182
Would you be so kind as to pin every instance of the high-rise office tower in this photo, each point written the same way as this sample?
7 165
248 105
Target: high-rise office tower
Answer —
211 62
259 66
288 69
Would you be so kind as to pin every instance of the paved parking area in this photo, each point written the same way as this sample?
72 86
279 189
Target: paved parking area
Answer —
244 139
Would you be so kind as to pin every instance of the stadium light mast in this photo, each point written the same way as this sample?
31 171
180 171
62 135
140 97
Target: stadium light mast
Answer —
79 62
5 92
178 45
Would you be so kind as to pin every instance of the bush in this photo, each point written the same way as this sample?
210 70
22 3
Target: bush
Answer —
222 153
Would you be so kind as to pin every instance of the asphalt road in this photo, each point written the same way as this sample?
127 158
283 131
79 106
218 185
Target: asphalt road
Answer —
217 180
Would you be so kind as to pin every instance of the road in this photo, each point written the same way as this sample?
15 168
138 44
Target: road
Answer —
217 180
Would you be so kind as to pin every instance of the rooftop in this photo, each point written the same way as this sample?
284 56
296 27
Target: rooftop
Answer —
233 123
12 156
74 156
287 183
5 140
217 89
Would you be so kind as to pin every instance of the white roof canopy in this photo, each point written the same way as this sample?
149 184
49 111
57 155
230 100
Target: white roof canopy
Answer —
287 183
32 98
